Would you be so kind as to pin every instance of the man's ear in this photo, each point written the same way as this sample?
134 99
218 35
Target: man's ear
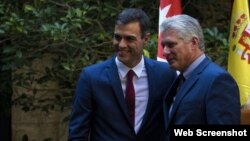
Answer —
147 37
195 43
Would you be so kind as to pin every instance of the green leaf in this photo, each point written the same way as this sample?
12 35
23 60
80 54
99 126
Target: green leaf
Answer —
19 54
28 8
66 66
2 31
146 53
78 12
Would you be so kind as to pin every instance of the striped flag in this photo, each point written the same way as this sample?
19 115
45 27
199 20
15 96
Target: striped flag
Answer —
239 48
167 8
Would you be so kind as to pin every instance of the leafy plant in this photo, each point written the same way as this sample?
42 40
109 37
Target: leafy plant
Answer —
45 44
216 45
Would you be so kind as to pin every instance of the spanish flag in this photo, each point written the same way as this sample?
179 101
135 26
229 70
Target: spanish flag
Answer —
239 48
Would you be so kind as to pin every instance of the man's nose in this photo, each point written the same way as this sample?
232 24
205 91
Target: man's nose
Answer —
122 43
166 51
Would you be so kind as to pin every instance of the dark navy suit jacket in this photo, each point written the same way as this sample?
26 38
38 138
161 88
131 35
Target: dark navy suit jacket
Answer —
209 96
99 111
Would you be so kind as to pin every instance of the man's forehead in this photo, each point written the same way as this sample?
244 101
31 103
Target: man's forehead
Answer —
124 30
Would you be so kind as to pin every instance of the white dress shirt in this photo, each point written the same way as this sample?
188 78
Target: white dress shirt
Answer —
140 82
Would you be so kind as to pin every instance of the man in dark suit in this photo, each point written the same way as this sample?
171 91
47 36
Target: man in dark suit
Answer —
208 93
99 111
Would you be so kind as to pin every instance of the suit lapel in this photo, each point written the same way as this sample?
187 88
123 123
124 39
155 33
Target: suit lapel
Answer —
115 82
168 100
187 86
181 93
150 70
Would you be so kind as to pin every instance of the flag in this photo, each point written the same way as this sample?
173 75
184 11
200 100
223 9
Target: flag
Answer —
239 48
167 8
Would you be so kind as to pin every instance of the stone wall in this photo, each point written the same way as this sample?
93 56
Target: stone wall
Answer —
37 124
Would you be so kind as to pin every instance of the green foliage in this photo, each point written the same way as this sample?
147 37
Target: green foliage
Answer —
72 33
216 45
152 45
44 42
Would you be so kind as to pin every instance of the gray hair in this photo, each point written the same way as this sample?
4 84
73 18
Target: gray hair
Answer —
186 27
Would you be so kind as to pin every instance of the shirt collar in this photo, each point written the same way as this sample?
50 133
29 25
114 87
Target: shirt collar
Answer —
123 69
194 65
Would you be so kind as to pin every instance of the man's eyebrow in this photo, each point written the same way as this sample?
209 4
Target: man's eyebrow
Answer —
125 36
168 44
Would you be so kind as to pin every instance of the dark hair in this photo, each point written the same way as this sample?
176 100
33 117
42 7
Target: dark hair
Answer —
129 15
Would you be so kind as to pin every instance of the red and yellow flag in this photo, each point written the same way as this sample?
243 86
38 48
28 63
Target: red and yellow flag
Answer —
239 48
167 8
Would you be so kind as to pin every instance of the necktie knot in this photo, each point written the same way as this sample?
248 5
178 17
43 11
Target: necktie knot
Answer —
130 75
181 78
